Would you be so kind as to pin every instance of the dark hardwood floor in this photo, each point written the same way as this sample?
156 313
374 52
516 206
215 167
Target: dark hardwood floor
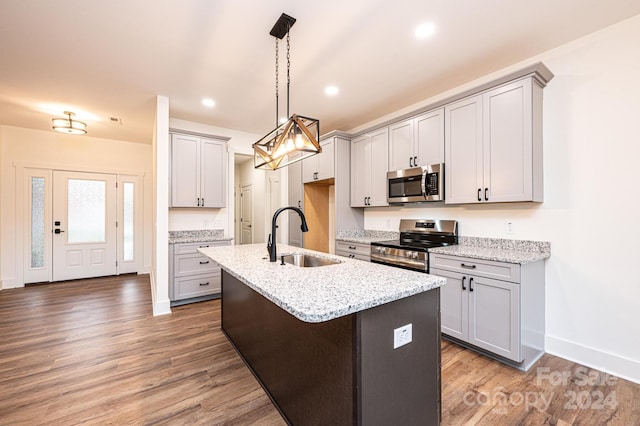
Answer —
91 352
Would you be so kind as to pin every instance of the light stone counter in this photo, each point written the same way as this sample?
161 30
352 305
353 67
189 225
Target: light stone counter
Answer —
499 250
321 293
364 236
197 236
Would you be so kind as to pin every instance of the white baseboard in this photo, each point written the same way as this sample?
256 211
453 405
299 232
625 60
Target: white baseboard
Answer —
616 365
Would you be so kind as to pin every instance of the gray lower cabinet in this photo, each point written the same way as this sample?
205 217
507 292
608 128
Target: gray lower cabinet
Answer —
353 250
193 276
497 307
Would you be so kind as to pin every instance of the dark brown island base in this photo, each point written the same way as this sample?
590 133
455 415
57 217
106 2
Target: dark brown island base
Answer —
343 371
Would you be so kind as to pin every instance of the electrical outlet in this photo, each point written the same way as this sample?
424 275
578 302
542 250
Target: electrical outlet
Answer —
402 336
509 227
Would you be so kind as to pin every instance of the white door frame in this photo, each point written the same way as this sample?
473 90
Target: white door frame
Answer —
22 214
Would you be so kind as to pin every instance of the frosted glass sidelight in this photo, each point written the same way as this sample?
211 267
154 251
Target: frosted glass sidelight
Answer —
128 220
86 211
37 222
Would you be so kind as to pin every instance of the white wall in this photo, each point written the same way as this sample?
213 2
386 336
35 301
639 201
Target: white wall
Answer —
20 146
160 159
591 203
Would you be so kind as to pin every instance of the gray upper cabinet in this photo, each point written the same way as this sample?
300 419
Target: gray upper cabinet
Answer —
493 145
320 166
369 166
418 141
198 171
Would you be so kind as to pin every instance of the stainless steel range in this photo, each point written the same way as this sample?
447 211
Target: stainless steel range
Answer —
416 237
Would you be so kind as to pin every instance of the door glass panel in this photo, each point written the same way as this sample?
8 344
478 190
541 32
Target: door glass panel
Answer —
86 211
37 222
128 221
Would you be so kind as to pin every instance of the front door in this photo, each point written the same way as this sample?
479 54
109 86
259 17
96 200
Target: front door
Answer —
246 215
84 225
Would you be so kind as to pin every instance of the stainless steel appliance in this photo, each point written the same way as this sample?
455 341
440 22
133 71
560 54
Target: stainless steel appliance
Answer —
416 185
410 251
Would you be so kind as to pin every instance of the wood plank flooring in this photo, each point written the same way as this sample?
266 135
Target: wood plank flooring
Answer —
91 352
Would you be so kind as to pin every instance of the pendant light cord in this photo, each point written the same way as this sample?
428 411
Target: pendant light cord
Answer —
288 67
277 89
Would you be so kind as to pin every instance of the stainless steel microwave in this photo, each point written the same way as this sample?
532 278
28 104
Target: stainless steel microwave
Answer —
416 185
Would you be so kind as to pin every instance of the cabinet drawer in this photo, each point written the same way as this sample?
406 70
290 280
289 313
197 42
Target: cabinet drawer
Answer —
352 255
195 286
190 264
355 248
482 268
192 248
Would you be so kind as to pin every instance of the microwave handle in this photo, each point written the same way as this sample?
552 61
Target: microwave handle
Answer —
424 184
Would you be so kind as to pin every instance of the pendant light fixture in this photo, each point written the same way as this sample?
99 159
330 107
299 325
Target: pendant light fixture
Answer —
298 134
69 125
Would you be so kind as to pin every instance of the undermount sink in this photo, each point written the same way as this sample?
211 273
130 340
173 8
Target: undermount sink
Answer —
308 260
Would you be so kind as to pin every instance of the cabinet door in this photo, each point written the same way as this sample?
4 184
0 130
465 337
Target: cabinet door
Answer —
295 199
185 171
326 160
360 170
508 150
429 138
401 150
213 160
454 297
378 168
494 316
463 151
309 168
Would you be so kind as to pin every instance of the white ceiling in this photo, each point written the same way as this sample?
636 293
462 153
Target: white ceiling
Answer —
111 58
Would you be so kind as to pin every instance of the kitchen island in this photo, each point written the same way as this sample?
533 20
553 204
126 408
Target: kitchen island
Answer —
321 339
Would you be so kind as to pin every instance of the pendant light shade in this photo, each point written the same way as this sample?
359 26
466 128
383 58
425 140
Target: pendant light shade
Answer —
69 125
298 135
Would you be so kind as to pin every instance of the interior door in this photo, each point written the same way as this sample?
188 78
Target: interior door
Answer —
246 215
84 225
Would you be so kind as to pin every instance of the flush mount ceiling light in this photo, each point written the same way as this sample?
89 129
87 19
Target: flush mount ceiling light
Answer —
298 134
425 30
69 125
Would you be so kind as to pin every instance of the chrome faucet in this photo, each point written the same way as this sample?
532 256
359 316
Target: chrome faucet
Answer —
271 244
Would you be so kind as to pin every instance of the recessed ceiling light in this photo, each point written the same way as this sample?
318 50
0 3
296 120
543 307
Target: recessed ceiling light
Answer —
283 120
425 30
208 102
331 90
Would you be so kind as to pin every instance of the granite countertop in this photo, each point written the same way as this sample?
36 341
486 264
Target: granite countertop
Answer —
499 250
365 236
197 236
321 293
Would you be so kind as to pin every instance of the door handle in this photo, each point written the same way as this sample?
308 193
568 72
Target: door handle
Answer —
204 263
203 284
410 161
463 280
471 284
299 204
202 203
57 231
485 194
468 266
415 161
479 191
198 201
